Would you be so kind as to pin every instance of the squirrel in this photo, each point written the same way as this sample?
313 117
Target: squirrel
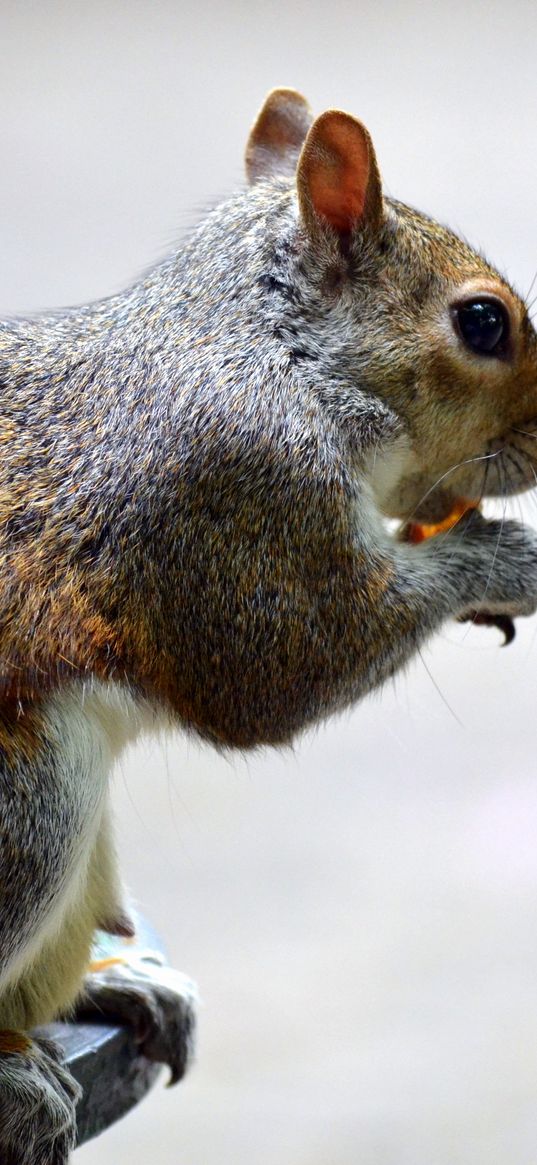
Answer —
195 482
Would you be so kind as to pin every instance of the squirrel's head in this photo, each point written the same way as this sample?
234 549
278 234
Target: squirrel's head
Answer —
387 302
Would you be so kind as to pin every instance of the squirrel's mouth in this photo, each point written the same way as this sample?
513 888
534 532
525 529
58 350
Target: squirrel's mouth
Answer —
406 491
416 499
506 467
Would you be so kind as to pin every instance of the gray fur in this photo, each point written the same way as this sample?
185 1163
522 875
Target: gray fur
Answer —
188 508
37 1107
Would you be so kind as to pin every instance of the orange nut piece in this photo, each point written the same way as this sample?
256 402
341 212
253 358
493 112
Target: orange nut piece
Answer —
417 532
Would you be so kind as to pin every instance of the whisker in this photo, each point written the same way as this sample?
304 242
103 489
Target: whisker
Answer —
510 456
530 289
530 495
500 532
484 484
525 433
446 533
499 538
524 454
439 690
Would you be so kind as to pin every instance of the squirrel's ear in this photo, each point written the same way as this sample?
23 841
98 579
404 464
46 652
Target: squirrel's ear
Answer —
277 135
338 180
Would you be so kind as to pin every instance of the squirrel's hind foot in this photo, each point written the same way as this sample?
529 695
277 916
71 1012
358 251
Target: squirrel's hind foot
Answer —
155 1001
38 1097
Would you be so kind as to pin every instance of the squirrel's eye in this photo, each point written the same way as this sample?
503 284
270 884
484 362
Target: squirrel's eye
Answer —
483 325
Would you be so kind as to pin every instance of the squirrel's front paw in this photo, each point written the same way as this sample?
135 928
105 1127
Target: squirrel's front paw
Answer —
500 566
38 1098
157 1002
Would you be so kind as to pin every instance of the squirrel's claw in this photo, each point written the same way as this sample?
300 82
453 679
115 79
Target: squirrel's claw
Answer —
504 623
157 1002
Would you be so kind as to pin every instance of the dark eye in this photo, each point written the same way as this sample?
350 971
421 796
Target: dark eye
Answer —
483 325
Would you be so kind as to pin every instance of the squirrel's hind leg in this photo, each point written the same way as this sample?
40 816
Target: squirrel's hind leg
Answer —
38 1096
57 884
38 1100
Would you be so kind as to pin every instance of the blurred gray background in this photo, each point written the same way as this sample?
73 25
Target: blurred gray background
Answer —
360 914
